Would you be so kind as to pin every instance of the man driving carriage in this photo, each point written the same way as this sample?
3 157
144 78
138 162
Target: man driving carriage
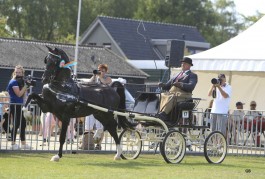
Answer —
178 88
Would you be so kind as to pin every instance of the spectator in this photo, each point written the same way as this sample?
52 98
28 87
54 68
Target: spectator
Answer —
222 92
179 88
236 120
48 125
252 113
99 77
71 131
2 109
17 89
251 121
90 124
6 120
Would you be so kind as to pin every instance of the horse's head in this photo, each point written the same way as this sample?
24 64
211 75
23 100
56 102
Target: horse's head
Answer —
55 60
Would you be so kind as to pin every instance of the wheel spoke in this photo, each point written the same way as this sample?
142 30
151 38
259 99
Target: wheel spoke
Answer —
215 147
131 144
173 149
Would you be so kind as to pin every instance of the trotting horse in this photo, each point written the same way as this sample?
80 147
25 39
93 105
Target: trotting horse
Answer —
66 98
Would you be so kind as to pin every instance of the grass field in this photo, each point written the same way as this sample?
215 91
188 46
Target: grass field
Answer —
74 166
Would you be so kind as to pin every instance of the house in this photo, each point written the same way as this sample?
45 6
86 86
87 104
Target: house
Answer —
143 43
31 54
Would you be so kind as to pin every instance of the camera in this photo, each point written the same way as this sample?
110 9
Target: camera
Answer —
31 83
96 72
29 80
215 81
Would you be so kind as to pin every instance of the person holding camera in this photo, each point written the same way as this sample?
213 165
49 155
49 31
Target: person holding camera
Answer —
221 92
179 88
17 89
99 77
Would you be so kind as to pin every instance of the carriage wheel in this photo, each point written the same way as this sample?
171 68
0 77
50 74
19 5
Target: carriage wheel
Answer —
215 147
131 144
173 147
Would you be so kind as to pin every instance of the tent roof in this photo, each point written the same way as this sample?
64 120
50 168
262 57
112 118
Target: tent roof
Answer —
245 52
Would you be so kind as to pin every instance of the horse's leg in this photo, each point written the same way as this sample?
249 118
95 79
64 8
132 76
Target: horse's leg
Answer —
39 100
27 113
65 123
30 96
113 132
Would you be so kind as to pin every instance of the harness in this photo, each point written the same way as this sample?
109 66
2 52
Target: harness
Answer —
65 89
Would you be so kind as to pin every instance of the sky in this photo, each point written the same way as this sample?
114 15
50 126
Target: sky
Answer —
249 7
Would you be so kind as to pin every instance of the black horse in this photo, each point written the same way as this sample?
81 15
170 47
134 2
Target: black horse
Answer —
64 97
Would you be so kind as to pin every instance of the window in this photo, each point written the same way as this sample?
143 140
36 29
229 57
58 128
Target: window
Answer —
107 45
92 43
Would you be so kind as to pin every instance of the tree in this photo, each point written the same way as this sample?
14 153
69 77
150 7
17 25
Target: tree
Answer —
56 21
115 8
198 13
42 20
3 31
249 20
228 25
216 21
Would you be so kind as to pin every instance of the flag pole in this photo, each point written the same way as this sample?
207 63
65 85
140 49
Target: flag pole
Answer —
77 37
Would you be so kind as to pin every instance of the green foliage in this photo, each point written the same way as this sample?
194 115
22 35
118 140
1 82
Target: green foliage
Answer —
3 31
56 21
42 20
217 22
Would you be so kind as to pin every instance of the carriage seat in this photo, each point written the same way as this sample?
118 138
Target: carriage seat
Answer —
186 105
176 114
94 94
147 102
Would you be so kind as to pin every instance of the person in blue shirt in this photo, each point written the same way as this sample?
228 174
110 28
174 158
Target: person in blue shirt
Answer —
17 90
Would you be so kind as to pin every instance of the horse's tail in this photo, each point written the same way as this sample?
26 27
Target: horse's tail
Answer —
122 120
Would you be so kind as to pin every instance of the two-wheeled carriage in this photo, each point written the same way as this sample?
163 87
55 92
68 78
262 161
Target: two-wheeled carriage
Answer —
171 137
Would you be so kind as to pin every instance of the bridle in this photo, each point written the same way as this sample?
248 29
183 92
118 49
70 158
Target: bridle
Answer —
58 63
53 68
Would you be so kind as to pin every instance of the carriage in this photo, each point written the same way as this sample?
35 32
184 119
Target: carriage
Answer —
172 137
66 98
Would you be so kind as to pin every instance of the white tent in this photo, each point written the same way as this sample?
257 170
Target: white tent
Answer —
242 59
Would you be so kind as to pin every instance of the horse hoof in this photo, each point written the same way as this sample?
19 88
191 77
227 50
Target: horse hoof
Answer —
117 158
55 158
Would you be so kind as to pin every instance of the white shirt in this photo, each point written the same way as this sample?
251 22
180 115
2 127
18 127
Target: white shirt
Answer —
252 114
238 115
221 104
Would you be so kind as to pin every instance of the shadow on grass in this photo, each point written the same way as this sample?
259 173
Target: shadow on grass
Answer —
192 162
144 161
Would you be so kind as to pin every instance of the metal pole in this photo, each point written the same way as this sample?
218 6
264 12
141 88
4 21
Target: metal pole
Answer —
77 36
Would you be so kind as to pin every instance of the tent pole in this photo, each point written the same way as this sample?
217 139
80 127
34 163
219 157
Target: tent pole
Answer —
230 77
